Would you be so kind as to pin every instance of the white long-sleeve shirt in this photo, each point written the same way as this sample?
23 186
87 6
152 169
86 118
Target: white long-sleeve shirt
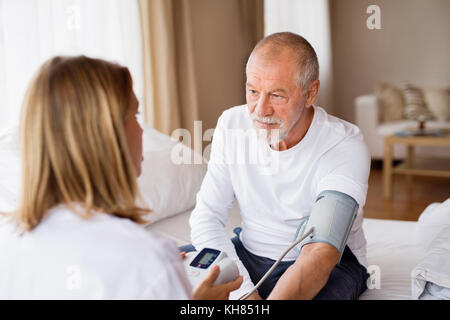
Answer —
276 189
103 257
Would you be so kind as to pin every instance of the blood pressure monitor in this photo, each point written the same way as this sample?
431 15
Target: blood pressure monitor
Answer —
198 263
330 221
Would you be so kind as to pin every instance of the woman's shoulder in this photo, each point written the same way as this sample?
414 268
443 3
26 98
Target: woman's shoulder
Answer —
115 253
105 232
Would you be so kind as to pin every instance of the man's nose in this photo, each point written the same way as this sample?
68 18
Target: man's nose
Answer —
263 106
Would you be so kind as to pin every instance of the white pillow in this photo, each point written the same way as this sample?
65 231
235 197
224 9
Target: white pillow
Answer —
432 220
10 168
8 201
168 188
431 276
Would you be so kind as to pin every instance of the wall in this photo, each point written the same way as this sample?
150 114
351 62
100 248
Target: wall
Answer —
412 45
219 57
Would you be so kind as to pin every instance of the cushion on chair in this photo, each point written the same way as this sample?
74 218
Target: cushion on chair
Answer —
415 107
438 102
390 100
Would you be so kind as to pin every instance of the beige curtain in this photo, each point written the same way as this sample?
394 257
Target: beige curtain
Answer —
188 90
171 86
252 18
161 100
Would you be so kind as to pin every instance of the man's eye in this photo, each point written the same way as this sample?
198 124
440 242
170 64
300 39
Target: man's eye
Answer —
277 96
252 91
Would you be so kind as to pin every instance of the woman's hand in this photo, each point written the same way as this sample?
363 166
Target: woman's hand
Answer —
207 291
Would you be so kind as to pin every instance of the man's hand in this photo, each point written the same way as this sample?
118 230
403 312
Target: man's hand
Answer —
207 291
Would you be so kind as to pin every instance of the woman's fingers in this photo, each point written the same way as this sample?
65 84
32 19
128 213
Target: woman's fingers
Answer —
212 275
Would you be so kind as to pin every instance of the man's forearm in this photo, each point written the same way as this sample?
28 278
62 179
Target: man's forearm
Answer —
308 275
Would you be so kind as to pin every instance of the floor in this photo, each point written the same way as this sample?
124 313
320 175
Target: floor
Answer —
408 200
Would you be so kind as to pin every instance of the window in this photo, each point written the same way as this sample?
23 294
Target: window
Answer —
31 31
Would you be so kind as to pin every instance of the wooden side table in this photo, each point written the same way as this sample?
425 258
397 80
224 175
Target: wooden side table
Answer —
434 167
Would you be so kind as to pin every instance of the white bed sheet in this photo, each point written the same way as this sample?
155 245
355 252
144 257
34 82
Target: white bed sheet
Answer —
391 245
177 227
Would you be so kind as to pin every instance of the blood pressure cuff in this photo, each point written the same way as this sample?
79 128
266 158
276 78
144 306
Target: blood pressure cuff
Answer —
332 218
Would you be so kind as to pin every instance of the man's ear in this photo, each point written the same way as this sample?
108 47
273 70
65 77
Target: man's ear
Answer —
311 93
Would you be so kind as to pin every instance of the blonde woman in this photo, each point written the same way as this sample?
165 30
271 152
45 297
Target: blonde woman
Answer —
77 232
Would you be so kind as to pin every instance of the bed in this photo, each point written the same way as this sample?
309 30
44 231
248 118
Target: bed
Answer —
391 246
399 266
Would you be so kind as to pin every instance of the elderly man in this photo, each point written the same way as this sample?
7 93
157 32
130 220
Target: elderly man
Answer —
312 152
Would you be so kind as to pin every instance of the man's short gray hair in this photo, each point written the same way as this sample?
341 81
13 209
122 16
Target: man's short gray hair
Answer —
304 55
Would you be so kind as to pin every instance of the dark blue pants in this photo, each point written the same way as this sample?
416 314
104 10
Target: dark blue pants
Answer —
347 280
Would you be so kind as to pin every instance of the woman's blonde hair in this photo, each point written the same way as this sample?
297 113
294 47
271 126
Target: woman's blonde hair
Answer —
73 143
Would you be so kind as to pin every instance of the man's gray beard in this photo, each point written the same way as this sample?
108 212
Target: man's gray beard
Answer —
271 136
275 136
